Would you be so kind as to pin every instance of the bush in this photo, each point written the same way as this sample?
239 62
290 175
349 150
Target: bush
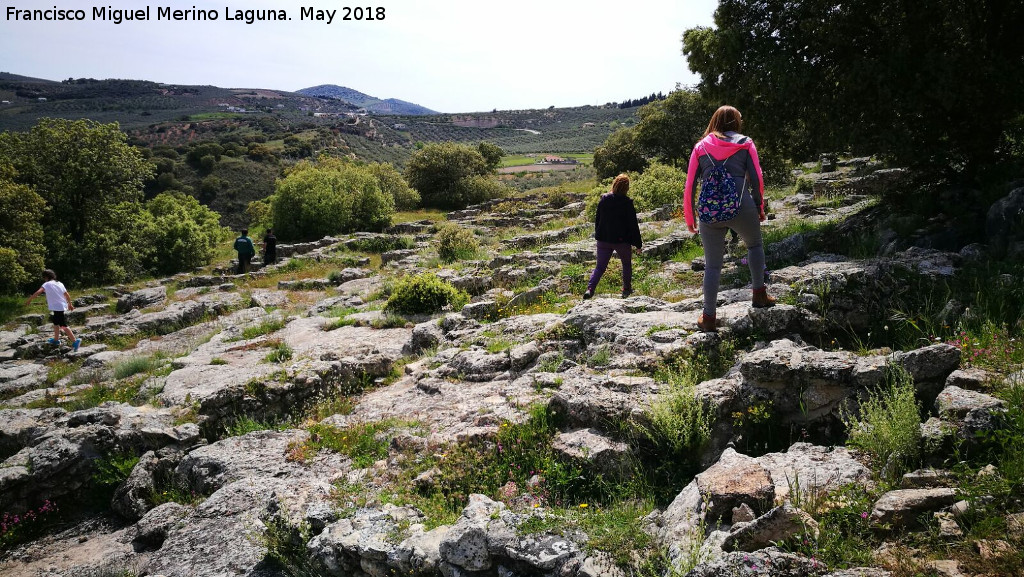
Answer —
179 233
557 198
657 186
451 176
888 424
392 184
455 243
424 294
330 197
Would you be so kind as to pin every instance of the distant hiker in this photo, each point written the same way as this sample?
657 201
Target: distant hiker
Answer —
616 229
245 250
269 247
726 162
58 301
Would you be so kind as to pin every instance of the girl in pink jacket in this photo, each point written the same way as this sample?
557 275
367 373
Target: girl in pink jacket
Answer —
723 145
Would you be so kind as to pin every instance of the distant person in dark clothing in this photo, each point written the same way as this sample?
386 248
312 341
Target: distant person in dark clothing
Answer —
246 250
617 230
269 247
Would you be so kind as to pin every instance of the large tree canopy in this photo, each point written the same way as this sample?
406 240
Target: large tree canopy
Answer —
669 128
449 175
83 170
21 233
926 83
329 197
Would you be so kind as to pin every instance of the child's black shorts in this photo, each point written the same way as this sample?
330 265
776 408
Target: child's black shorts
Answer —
58 318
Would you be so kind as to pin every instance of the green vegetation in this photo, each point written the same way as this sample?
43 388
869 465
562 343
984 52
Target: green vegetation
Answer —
329 197
423 294
887 425
243 424
918 121
265 327
135 365
364 443
452 176
280 353
455 243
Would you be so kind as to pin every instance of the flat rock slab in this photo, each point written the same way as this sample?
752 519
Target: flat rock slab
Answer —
900 508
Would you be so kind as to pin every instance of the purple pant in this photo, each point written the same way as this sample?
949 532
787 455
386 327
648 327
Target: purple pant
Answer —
604 254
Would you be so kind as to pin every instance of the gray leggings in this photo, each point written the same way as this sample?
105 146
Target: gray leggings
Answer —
748 226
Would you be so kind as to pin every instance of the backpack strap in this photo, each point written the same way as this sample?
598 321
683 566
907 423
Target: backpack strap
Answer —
711 158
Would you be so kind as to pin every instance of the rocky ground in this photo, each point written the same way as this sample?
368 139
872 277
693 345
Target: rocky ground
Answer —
151 414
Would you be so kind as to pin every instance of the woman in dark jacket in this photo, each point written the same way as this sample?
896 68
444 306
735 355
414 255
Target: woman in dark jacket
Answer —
616 229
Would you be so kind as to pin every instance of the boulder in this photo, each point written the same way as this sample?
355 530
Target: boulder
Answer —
770 561
900 509
141 299
1004 223
152 529
734 480
597 452
775 526
970 412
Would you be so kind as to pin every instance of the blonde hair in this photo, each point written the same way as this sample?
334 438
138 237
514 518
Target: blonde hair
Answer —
620 185
724 119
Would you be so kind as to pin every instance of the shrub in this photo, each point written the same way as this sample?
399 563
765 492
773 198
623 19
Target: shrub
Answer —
455 243
179 233
887 425
451 176
657 186
392 184
330 197
424 293
557 198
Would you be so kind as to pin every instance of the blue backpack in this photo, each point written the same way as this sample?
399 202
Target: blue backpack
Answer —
719 199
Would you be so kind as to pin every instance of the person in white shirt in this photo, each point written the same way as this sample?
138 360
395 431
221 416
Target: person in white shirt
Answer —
58 301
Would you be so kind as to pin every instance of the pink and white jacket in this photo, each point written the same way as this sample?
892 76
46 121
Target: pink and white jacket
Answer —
721 149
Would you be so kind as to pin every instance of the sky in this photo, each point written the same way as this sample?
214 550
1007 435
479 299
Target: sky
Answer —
447 55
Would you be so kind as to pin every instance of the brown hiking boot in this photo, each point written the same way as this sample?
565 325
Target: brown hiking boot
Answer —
706 323
761 299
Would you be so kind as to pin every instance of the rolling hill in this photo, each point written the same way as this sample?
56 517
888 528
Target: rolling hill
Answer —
370 103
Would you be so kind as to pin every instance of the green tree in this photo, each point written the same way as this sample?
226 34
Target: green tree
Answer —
21 234
330 197
449 175
180 234
84 171
668 128
620 153
492 154
392 183
926 83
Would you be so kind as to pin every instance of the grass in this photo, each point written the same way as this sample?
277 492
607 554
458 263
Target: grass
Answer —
265 327
280 353
11 307
364 443
887 424
243 424
135 365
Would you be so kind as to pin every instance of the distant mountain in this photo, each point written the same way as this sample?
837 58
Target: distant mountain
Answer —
371 103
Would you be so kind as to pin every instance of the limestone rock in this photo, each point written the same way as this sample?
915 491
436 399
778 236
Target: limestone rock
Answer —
770 561
970 412
141 299
900 508
611 458
734 480
151 530
779 524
